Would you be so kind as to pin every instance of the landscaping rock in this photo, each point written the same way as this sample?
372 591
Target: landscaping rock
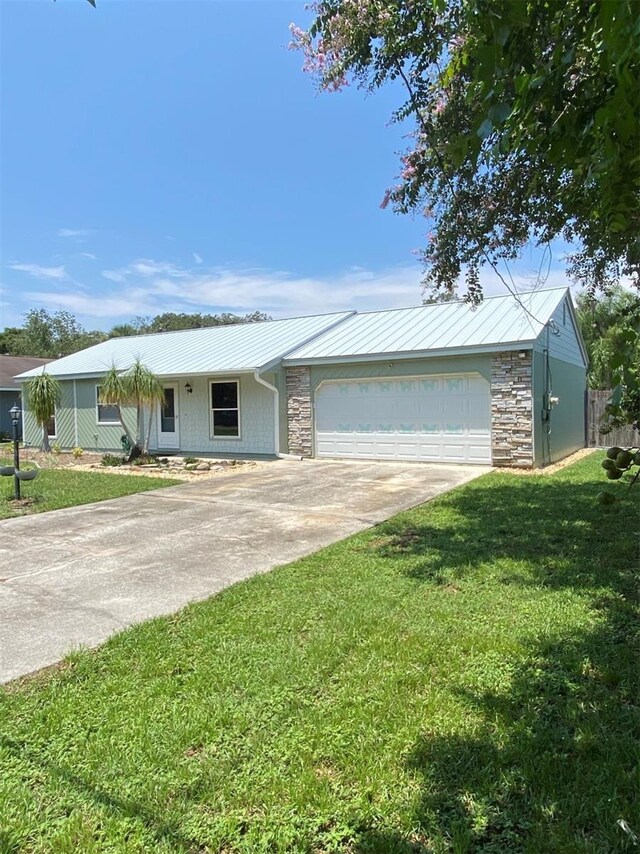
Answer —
203 467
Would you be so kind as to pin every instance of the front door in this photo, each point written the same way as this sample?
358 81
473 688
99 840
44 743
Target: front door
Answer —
167 415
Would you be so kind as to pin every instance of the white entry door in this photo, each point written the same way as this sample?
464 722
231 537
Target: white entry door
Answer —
167 419
428 418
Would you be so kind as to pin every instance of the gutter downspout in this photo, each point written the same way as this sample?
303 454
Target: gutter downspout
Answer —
276 419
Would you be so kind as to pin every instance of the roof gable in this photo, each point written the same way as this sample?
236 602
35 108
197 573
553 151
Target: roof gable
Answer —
562 335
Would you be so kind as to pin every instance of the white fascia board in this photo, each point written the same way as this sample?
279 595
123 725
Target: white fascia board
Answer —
414 354
576 327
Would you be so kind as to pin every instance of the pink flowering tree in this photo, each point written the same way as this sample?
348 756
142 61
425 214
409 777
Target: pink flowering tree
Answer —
525 123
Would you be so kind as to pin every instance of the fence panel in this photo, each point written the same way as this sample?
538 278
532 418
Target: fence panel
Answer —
622 436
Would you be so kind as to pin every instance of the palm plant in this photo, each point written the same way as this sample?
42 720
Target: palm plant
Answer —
41 394
144 390
138 387
114 392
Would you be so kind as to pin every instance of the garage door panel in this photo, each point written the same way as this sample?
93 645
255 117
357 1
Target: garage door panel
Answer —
424 418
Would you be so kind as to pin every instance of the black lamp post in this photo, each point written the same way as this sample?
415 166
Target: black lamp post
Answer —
15 414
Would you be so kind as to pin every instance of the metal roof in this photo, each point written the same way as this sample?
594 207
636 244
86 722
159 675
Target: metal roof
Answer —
216 349
498 322
10 366
455 326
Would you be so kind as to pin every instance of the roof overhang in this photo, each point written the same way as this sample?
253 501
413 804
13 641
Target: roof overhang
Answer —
405 355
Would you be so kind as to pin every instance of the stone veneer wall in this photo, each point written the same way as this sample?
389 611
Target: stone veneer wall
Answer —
511 409
299 411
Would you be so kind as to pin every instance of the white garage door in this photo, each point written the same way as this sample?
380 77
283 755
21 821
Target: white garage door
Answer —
428 418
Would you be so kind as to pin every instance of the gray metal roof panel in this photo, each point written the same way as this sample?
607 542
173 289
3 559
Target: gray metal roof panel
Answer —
496 321
236 348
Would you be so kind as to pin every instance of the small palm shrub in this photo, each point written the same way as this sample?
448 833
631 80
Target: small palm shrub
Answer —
77 452
112 460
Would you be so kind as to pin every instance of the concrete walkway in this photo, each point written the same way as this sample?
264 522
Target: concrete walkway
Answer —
73 577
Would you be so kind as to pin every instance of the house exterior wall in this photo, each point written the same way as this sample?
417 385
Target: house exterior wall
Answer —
512 409
257 423
563 432
7 399
79 426
257 419
563 342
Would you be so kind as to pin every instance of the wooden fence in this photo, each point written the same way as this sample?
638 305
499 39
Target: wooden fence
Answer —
623 437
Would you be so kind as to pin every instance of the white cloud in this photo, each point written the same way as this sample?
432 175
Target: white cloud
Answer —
148 287
197 258
40 272
74 232
89 255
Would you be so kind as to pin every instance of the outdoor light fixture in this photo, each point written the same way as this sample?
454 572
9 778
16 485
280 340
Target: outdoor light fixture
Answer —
189 388
15 414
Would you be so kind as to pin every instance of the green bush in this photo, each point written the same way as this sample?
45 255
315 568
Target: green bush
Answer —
77 452
112 460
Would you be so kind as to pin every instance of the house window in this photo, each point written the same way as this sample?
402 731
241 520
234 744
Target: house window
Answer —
105 413
51 427
225 411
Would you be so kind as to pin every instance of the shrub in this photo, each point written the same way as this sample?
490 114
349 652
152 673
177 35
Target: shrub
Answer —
112 460
56 448
190 461
144 460
77 452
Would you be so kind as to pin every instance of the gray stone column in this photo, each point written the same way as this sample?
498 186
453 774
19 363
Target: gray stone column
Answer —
512 409
299 411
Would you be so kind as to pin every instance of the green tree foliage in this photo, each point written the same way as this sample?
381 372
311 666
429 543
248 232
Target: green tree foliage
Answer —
610 325
41 394
526 123
611 329
171 321
47 336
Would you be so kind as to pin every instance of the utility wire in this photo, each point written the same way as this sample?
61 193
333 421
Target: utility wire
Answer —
426 130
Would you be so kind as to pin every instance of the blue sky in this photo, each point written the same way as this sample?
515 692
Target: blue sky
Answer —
170 155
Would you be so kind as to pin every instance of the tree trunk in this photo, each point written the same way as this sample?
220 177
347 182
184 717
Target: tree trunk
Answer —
148 438
46 447
139 425
125 428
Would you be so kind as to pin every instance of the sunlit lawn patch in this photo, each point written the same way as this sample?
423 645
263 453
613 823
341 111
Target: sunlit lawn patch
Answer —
461 678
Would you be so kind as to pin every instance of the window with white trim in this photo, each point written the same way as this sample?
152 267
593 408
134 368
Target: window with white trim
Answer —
106 413
225 409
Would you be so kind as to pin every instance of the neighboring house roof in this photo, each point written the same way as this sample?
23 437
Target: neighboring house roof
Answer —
497 323
11 366
240 347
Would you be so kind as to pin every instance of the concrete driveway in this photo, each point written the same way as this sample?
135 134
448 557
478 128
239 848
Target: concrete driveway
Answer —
74 577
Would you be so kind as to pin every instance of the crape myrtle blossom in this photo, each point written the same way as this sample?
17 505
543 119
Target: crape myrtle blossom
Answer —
525 123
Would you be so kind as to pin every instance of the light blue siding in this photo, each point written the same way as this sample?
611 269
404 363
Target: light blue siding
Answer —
563 336
257 419
563 432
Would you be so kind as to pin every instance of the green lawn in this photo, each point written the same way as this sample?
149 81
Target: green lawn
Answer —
56 488
461 678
